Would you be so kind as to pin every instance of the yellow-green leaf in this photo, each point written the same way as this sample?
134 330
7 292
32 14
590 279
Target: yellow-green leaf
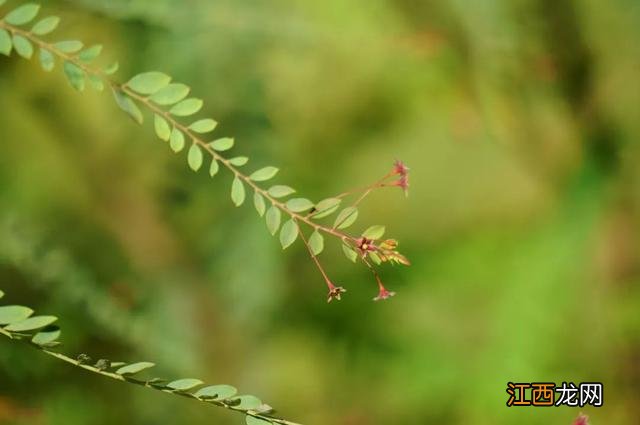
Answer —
203 126
184 384
258 202
31 323
316 243
299 204
263 174
23 14
46 25
162 128
23 46
239 161
222 145
237 192
5 43
273 219
216 392
346 218
195 157
176 140
14 313
374 232
173 93
47 60
134 368
280 191
128 105
326 207
350 253
214 167
69 46
187 107
75 75
288 233
149 82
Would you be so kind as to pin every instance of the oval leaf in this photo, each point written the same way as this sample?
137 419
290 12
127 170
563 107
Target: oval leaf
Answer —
222 145
280 191
176 140
316 243
149 82
47 60
184 384
326 207
346 218
195 157
258 202
173 93
246 402
128 105
374 232
91 53
216 392
69 46
289 233
187 107
299 204
263 174
23 14
237 192
203 126
273 219
46 336
350 253
214 167
46 25
134 368
23 46
31 323
162 128
14 313
239 161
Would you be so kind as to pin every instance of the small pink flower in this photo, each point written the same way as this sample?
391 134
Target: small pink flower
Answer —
403 183
365 245
400 169
383 294
335 292
581 420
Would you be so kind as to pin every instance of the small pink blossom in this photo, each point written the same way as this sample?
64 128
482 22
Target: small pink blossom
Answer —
581 420
335 292
400 169
383 294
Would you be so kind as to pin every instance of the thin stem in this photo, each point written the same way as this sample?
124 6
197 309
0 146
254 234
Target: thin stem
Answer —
146 384
194 137
315 260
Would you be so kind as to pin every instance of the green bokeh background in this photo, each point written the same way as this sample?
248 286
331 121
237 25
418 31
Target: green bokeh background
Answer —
520 122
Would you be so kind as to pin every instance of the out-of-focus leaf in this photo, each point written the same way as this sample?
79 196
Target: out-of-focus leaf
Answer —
316 242
149 82
299 204
237 192
216 392
23 46
14 313
23 14
288 233
46 25
31 323
346 218
187 107
134 368
184 384
263 174
194 157
171 94
273 219
280 191
258 202
176 140
162 128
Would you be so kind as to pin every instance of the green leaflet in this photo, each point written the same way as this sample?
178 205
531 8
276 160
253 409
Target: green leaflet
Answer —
273 219
91 53
69 46
263 174
75 75
134 368
47 60
316 243
23 14
171 94
128 105
239 161
246 402
96 82
111 69
46 336
299 204
350 253
375 258
194 157
216 392
176 140
326 207
237 192
163 131
258 202
346 218
184 384
223 144
46 25
23 46
31 323
187 107
14 313
203 126
374 232
280 191
5 43
288 233
149 82
214 167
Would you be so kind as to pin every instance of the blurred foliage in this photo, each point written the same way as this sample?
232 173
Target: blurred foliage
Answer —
519 120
